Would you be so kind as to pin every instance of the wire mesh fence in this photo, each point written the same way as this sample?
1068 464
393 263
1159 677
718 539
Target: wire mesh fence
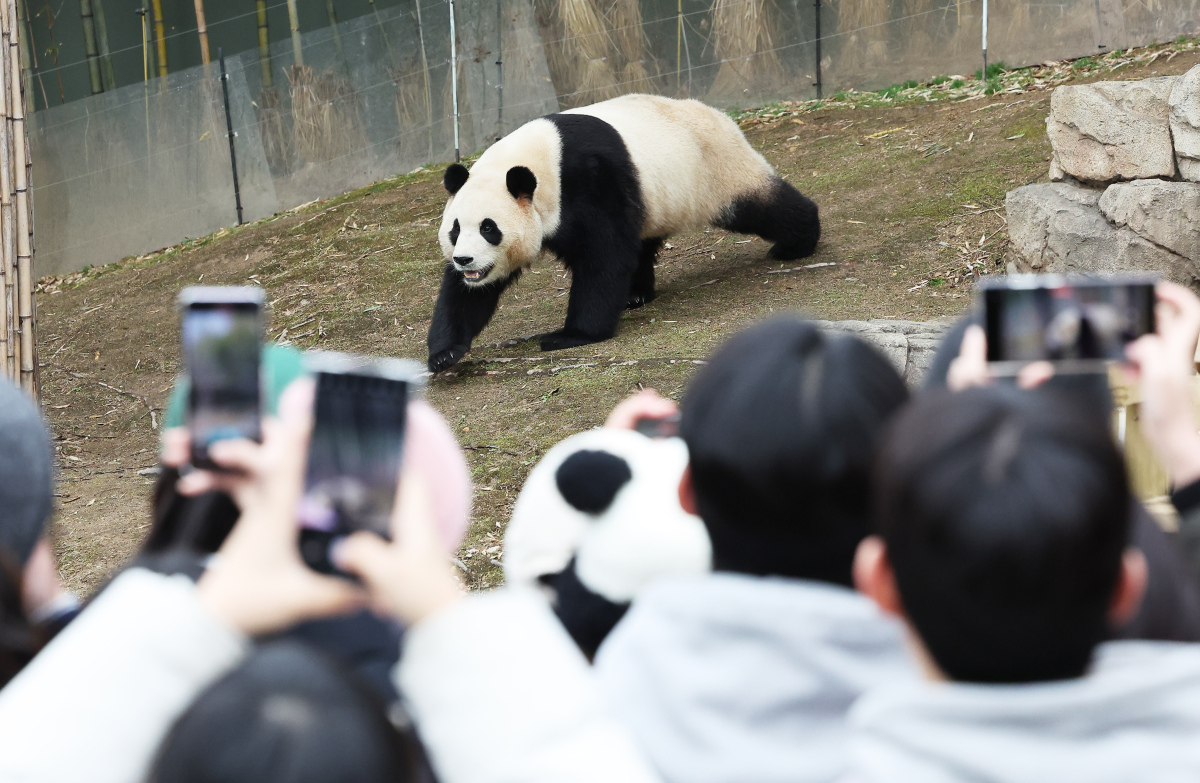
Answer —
144 166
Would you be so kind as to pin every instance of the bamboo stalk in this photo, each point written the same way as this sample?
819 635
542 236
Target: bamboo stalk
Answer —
201 31
110 79
30 61
91 52
264 46
333 27
7 366
294 21
23 224
160 36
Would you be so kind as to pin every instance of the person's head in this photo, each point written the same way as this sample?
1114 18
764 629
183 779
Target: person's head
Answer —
27 471
286 714
781 427
1002 520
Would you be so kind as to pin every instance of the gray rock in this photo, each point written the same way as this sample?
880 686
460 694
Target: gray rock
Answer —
1111 131
1059 227
909 345
1164 213
1184 104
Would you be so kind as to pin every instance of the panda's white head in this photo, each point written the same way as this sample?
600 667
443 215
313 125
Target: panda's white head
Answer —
608 499
490 228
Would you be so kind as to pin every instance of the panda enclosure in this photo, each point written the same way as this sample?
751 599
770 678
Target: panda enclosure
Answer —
910 199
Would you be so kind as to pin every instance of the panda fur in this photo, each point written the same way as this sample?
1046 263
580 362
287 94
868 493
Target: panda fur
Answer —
597 521
601 188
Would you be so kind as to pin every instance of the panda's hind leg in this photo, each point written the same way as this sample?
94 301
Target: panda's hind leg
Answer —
641 288
778 213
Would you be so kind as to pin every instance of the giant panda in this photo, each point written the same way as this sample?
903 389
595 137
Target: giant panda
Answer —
601 188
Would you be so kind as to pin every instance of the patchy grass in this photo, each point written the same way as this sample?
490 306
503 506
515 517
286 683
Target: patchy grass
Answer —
910 189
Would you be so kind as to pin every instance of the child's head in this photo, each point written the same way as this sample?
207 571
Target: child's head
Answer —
286 714
781 427
1003 517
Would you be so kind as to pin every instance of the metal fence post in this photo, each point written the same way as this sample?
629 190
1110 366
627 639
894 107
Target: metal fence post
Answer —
237 191
985 21
454 79
817 6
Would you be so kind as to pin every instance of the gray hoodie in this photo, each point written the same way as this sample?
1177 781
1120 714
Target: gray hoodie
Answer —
1135 718
726 677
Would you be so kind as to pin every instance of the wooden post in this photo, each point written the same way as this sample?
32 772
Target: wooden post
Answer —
202 31
21 206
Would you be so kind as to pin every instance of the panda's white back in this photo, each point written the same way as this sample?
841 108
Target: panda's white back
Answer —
692 160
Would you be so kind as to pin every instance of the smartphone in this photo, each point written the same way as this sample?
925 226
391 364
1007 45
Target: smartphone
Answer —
1078 323
221 330
667 427
354 456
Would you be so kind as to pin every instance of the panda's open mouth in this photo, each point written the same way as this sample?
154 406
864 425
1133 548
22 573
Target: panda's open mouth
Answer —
475 275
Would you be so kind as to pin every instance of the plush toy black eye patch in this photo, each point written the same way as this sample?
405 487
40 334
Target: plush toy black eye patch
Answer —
589 480
490 231
454 232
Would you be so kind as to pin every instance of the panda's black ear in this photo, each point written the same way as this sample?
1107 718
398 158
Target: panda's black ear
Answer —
589 480
456 177
521 182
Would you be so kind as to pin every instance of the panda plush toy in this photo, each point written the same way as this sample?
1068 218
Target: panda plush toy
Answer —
598 520
601 188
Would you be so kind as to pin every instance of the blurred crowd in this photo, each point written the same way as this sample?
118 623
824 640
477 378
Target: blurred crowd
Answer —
803 571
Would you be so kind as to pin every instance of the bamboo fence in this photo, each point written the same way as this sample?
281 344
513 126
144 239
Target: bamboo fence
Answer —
18 356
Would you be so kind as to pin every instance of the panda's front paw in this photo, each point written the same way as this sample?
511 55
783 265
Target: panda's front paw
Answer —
565 338
447 358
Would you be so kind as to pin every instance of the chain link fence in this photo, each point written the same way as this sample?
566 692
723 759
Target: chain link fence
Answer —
144 166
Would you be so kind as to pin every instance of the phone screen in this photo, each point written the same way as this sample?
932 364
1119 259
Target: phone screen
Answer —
1073 323
222 348
353 461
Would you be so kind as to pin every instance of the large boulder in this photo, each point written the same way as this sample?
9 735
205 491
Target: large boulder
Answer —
1112 131
1059 227
909 345
1164 213
1185 124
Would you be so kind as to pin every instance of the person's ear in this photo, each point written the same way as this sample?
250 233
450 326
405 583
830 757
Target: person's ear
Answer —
873 575
687 493
1131 587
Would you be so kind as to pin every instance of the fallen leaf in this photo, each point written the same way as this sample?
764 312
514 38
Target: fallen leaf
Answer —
857 222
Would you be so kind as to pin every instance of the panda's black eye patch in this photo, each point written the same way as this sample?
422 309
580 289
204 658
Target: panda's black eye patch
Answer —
454 232
589 480
490 231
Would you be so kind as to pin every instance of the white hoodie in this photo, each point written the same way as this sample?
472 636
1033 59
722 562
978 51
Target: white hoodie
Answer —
727 678
1135 718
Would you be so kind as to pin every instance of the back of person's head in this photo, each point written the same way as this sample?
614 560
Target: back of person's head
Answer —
1005 514
781 427
26 473
287 714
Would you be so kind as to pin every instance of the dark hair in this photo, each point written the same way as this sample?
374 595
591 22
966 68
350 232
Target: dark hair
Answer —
781 427
288 713
20 640
1005 514
179 522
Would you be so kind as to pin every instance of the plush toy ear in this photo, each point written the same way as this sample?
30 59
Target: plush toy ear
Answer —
456 177
521 182
589 480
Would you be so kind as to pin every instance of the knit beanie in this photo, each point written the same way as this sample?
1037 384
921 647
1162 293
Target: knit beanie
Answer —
26 472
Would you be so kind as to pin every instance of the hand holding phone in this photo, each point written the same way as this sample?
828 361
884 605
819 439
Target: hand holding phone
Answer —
354 456
1076 323
221 330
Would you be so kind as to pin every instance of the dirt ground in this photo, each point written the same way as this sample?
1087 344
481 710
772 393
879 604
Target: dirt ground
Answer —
911 203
